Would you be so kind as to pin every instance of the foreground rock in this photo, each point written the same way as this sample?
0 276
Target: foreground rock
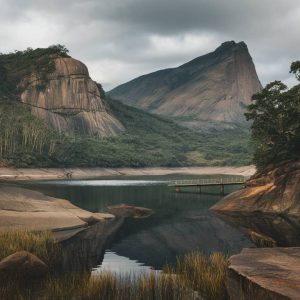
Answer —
275 190
25 209
265 273
24 265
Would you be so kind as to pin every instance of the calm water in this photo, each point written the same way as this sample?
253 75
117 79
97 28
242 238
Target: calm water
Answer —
181 223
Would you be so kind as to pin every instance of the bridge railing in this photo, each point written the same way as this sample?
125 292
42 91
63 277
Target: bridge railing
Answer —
208 181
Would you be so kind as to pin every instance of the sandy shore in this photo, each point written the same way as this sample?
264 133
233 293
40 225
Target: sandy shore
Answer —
77 173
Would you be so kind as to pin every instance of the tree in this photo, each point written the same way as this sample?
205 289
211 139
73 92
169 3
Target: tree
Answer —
275 113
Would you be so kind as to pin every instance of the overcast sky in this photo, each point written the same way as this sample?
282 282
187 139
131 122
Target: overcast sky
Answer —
121 39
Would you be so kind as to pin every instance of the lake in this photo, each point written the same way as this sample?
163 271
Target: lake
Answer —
180 224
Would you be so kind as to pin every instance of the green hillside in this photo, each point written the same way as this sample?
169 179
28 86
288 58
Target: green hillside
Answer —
148 141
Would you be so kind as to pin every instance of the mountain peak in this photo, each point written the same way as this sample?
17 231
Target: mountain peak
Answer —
231 45
210 91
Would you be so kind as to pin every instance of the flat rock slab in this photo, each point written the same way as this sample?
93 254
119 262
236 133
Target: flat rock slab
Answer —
264 273
25 209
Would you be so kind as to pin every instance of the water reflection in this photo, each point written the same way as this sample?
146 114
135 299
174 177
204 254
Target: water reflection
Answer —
181 221
118 264
282 229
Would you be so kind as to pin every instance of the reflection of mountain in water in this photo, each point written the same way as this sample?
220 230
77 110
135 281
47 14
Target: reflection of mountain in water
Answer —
284 230
158 243
86 249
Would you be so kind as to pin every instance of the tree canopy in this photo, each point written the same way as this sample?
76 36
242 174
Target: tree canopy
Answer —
275 113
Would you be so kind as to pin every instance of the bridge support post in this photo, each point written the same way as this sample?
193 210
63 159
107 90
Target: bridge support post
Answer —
222 189
199 189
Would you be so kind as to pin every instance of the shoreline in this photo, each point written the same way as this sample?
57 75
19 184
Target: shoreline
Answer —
15 174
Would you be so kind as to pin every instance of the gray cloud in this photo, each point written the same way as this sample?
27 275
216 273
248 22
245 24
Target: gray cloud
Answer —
121 39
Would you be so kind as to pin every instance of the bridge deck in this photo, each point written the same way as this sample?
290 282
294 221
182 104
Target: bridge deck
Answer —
208 182
203 182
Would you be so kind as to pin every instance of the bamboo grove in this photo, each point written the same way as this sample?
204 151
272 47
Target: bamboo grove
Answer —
23 133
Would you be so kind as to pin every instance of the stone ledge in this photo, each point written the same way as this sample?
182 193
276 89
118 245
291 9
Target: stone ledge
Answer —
264 273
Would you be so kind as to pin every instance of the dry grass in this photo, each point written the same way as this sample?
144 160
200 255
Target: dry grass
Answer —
206 275
261 240
194 276
40 244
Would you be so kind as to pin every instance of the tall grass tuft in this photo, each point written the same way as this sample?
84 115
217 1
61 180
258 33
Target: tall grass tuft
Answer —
40 243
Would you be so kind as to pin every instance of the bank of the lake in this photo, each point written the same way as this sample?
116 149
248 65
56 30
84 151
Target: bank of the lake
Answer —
77 173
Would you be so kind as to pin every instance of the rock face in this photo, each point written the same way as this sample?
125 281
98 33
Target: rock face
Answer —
275 190
25 209
70 101
23 264
265 273
210 91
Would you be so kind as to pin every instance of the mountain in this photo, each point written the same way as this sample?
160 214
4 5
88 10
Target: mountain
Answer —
59 90
211 91
53 115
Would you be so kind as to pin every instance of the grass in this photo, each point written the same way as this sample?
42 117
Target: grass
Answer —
40 243
260 240
194 276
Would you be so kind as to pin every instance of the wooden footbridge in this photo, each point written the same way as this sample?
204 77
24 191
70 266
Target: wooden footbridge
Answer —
205 182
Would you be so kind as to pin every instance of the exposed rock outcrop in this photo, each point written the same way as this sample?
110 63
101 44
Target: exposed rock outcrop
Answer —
25 209
269 274
275 190
70 100
211 91
22 265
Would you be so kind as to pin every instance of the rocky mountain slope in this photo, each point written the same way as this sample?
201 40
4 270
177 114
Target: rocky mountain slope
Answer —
60 92
210 91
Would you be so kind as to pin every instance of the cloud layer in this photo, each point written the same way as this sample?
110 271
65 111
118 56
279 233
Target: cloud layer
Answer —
121 39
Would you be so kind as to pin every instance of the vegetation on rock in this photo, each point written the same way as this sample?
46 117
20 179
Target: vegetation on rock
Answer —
16 65
275 113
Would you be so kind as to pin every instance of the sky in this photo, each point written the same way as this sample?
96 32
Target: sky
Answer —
121 39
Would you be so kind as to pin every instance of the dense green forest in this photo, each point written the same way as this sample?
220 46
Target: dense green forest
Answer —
148 140
275 113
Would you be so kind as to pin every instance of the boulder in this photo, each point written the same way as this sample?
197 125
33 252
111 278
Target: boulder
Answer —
264 273
274 190
124 210
22 264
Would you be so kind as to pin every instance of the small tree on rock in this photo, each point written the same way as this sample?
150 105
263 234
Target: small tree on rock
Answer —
275 113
